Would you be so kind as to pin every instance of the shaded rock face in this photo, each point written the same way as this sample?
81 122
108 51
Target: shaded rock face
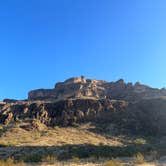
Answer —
65 113
81 87
144 117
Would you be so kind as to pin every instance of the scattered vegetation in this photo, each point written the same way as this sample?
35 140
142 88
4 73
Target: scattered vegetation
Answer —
33 158
57 145
11 162
49 159
139 141
139 158
113 162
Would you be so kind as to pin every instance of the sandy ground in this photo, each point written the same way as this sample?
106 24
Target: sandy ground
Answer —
158 163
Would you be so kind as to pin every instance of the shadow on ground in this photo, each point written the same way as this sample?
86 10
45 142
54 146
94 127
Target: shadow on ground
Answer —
64 152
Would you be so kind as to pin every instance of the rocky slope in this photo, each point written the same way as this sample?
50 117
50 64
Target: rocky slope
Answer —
129 108
144 117
65 112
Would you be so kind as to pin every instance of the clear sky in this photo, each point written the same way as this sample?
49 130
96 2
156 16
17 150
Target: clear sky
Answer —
45 41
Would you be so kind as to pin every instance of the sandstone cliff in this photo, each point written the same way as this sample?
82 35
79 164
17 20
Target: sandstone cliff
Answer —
82 88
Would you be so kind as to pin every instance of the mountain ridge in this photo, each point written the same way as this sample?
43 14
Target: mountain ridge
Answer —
78 87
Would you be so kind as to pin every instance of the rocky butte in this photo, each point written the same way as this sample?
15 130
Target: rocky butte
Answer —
80 87
134 108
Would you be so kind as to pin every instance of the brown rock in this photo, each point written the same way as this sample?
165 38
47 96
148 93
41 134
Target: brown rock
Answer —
80 87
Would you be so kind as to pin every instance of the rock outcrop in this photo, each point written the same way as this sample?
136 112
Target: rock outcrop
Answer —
144 117
65 112
89 88
71 88
134 108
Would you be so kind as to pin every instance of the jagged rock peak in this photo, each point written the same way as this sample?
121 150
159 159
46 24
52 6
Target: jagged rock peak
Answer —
81 80
72 80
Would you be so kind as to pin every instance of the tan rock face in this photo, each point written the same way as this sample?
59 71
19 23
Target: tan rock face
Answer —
81 87
71 88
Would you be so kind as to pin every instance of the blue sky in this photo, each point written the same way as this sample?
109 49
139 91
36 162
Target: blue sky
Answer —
42 42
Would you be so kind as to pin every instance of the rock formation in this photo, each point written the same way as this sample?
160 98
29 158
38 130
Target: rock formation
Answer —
135 108
65 112
82 88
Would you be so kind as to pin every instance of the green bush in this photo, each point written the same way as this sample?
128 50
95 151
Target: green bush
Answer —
33 158
140 141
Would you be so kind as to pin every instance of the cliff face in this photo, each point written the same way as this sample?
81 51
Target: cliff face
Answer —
83 88
144 117
71 88
131 107
65 113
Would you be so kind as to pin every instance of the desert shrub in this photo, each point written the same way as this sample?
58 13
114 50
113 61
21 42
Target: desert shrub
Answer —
153 155
97 152
139 158
75 159
33 158
7 162
140 141
1 128
3 143
11 162
20 163
36 135
11 142
113 162
49 159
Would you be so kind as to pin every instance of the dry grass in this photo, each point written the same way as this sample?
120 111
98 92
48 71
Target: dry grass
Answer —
58 136
113 163
139 158
10 162
15 136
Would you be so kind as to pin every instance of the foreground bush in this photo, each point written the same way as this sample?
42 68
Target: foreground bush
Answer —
113 163
139 158
49 159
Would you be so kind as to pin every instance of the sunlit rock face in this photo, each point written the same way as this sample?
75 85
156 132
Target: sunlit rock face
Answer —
71 88
80 87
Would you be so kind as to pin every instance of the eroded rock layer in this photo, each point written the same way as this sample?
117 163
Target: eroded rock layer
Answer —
66 112
82 88
134 108
144 117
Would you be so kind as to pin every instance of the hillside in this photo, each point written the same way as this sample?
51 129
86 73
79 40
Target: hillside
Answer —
84 118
